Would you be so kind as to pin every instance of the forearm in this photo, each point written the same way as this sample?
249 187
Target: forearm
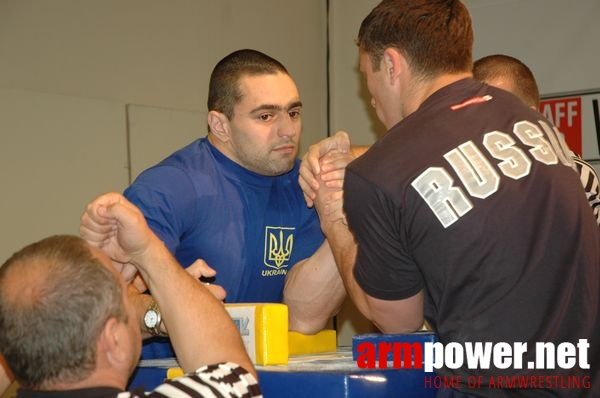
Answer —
390 316
343 247
329 204
313 292
200 329
141 302
187 307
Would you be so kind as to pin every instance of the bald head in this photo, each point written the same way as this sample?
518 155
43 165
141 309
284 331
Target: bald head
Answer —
510 74
55 296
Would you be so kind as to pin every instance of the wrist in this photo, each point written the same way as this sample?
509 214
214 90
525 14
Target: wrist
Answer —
153 321
151 257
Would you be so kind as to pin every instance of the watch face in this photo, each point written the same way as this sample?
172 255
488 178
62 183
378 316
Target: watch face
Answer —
151 318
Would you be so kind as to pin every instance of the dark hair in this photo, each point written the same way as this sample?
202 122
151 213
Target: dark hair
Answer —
55 297
512 69
435 36
223 89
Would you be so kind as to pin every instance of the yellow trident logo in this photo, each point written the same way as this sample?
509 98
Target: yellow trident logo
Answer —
279 248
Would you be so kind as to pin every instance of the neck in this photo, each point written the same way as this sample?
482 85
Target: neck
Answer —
211 138
96 379
221 146
423 89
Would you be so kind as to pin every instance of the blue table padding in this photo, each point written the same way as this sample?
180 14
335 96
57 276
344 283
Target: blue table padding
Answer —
389 383
319 375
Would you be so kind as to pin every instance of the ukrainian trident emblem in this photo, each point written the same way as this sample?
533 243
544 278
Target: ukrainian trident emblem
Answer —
279 242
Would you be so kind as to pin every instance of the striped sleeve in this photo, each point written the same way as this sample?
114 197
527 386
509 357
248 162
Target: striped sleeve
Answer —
589 180
222 380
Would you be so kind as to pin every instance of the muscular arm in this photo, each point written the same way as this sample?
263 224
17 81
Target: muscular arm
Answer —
313 292
201 334
390 316
321 179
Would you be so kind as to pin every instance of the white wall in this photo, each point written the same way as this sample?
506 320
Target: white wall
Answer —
155 52
557 39
56 153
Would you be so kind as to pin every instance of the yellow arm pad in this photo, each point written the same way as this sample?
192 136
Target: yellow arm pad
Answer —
303 344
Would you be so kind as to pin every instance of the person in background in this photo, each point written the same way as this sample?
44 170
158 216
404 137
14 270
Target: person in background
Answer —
512 75
68 326
457 215
229 205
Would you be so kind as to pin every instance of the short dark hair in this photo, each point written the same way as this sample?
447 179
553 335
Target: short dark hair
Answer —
513 69
224 91
55 297
435 36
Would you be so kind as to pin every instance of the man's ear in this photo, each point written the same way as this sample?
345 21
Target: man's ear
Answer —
218 124
111 342
393 63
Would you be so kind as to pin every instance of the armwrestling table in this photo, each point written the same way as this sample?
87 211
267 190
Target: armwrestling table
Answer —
317 375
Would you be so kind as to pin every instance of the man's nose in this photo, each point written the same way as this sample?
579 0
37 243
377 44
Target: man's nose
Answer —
288 127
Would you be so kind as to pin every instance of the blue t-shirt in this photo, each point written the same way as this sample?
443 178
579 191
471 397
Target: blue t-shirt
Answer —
250 228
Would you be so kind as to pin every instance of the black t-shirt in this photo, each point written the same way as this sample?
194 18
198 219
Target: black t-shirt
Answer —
473 199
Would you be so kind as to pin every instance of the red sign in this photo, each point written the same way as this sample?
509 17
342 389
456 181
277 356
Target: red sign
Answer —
566 114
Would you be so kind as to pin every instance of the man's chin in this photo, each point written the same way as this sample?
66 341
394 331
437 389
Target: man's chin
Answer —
282 168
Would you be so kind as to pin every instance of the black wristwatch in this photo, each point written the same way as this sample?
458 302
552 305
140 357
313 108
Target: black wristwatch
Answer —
153 320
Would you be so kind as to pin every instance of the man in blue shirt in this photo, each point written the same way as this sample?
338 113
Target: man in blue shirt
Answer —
231 200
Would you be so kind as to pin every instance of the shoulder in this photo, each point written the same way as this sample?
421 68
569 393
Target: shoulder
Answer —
191 157
582 164
587 173
179 173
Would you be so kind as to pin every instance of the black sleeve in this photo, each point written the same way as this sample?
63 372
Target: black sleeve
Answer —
384 267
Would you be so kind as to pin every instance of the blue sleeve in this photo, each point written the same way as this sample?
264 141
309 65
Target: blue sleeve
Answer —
166 196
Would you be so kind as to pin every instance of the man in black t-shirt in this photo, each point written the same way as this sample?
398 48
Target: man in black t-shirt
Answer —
466 213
